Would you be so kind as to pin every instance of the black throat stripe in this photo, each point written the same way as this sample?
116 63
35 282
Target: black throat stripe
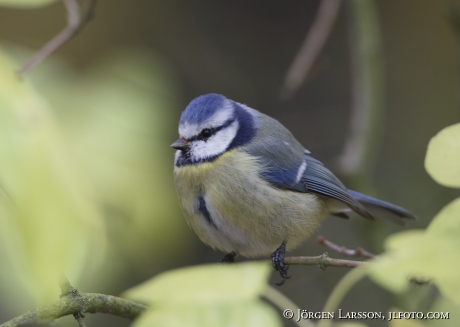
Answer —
204 210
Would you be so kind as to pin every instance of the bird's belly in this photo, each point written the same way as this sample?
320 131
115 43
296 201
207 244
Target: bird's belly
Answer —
232 209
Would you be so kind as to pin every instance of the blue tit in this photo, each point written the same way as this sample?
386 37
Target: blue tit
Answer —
248 187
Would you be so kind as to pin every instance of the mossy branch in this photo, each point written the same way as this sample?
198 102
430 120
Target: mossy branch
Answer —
75 303
81 302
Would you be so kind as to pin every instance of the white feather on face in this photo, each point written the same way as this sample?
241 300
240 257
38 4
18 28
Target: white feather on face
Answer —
215 145
218 142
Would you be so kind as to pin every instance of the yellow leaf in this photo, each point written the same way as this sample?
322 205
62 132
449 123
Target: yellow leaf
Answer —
432 254
207 295
443 157
48 225
241 314
206 284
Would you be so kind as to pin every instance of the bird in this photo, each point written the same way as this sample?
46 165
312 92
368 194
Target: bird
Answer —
248 187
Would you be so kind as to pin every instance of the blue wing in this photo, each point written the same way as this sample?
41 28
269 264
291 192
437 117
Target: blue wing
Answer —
306 174
319 179
287 165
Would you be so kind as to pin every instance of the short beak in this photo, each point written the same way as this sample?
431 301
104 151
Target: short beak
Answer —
181 144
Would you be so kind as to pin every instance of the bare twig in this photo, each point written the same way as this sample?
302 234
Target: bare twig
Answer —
359 252
79 317
75 22
323 261
66 290
316 38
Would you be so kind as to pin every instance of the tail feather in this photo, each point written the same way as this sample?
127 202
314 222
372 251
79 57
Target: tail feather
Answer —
379 208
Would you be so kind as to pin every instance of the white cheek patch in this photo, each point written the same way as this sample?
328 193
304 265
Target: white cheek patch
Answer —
216 144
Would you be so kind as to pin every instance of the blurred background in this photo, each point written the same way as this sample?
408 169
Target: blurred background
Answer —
115 93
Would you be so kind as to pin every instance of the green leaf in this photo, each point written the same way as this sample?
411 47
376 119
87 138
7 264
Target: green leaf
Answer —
442 304
443 157
205 284
207 295
431 254
242 314
25 3
48 224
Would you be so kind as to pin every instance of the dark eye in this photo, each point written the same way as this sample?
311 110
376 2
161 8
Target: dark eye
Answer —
206 133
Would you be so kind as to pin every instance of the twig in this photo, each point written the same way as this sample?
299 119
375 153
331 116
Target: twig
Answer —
314 42
66 290
323 261
75 22
79 317
359 252
84 302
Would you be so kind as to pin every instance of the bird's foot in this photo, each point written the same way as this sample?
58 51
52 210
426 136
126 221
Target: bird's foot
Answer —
278 264
229 257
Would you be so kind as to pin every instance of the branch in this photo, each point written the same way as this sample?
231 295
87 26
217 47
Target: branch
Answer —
359 252
83 302
75 303
75 22
312 45
323 261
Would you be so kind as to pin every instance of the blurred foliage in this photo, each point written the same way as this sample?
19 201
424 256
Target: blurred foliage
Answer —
91 155
423 256
432 254
25 3
49 225
117 119
443 157
208 295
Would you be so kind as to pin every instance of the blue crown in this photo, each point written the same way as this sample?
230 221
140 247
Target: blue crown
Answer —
202 108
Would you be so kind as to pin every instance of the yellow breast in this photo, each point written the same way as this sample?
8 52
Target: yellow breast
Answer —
251 215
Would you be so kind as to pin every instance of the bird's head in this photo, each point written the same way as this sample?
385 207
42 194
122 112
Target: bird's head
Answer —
211 125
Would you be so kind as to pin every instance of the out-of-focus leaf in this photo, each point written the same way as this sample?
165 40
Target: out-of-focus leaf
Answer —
442 304
118 118
432 254
48 225
241 314
207 295
206 284
443 157
25 3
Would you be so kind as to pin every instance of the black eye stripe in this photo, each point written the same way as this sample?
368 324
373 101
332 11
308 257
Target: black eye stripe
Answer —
214 130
